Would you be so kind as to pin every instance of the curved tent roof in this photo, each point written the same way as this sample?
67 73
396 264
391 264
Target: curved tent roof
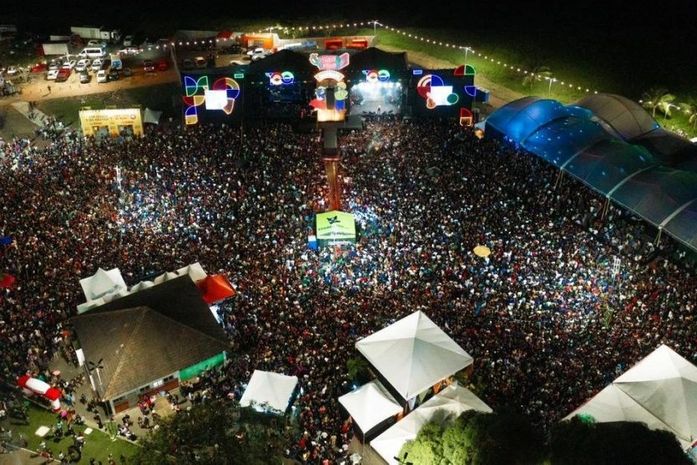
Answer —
654 175
369 405
626 118
658 193
269 389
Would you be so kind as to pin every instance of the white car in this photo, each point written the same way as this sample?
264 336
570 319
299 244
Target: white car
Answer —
82 65
128 41
129 51
96 43
257 54
96 65
102 76
70 64
51 74
11 71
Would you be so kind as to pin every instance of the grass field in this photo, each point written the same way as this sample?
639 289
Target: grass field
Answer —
164 97
98 445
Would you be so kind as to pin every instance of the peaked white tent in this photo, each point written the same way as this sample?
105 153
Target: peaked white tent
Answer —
102 283
660 390
195 272
269 389
151 116
142 285
370 405
413 354
165 277
443 407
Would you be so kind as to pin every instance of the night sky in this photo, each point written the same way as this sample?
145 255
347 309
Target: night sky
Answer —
659 39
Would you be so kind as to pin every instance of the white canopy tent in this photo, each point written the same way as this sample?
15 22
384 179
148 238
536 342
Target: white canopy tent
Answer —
151 116
413 354
195 271
443 407
102 283
370 405
660 390
272 390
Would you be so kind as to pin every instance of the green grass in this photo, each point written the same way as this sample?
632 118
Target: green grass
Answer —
97 444
160 97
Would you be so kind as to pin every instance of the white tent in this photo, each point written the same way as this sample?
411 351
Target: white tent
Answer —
102 283
83 307
195 272
269 389
142 285
660 390
165 277
151 116
443 407
413 354
370 405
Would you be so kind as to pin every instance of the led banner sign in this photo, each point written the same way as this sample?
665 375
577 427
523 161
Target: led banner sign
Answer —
329 74
278 79
220 96
372 75
330 62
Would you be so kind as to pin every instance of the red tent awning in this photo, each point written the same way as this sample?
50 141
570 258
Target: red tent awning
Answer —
7 281
215 288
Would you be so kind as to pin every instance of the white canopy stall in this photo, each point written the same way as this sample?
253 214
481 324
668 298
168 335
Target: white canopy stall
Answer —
369 406
413 354
269 391
660 390
443 407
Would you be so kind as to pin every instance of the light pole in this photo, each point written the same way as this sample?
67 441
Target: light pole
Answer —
467 49
375 27
549 89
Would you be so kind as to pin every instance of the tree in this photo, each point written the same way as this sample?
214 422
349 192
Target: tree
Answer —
690 110
579 442
357 369
658 98
477 438
215 433
537 74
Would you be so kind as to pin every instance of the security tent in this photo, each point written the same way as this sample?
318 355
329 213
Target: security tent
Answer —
413 354
442 408
269 391
370 406
660 390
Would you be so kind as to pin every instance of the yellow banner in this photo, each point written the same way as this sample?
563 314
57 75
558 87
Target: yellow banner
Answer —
113 122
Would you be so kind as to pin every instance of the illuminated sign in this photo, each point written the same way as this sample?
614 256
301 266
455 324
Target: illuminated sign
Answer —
113 120
432 89
329 75
372 75
278 79
417 72
330 62
220 96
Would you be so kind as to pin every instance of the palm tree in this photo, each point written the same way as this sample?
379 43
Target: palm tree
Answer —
538 73
658 98
690 110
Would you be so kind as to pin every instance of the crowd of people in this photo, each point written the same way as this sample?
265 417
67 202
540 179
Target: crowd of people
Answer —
566 301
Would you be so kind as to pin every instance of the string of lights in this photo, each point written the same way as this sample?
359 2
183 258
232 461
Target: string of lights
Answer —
375 24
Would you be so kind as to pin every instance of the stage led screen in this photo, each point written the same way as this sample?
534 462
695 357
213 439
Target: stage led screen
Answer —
442 92
214 97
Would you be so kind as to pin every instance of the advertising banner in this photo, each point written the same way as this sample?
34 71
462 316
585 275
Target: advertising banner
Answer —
112 122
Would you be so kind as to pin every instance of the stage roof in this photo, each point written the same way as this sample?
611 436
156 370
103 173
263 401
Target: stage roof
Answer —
653 174
283 60
375 58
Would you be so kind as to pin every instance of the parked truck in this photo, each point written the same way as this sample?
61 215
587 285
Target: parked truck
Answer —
88 32
116 62
55 48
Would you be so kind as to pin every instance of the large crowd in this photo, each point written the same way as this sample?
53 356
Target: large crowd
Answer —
566 301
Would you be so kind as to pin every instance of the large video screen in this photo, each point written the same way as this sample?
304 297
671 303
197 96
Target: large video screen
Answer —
212 97
442 92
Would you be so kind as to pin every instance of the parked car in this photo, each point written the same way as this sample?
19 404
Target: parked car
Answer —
128 41
11 71
63 74
39 68
127 72
162 65
96 43
148 66
102 76
200 62
129 51
51 74
85 77
82 65
69 64
257 54
113 75
106 63
55 64
96 65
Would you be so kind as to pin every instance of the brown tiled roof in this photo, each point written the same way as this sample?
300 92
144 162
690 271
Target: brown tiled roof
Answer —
148 335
